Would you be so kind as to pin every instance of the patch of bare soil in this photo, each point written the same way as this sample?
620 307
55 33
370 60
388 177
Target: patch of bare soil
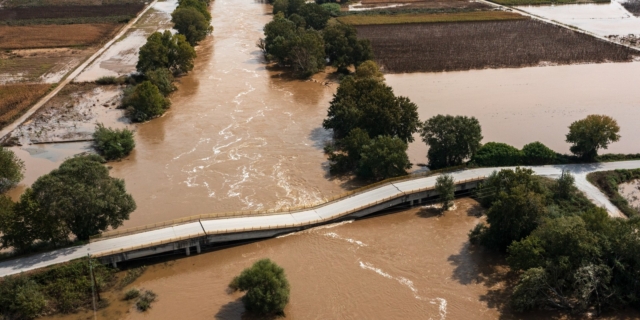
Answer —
631 192
72 115
55 36
436 47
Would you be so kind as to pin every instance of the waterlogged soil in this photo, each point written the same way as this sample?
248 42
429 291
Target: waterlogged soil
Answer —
413 264
39 65
121 58
631 192
519 106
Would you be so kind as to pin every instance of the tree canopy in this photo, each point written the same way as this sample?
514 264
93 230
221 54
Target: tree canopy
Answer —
383 157
11 169
202 6
536 153
495 154
145 102
78 198
343 47
267 288
315 16
166 50
113 143
451 139
445 186
192 24
372 106
161 78
591 134
369 69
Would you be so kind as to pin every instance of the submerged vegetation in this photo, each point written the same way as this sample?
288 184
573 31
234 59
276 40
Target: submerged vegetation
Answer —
266 286
113 143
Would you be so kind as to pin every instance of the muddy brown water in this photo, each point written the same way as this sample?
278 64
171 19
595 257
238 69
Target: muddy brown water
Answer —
412 264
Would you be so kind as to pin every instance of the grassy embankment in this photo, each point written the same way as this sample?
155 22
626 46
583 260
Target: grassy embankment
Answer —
405 18
16 99
608 182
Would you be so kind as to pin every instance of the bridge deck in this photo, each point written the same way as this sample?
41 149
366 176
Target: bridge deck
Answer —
369 199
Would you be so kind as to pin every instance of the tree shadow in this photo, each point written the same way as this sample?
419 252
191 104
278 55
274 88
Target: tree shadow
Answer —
319 136
235 310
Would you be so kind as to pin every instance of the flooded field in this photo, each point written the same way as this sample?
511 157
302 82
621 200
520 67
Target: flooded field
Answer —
519 106
121 58
601 19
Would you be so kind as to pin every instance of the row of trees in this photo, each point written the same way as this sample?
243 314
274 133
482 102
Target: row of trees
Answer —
303 37
569 254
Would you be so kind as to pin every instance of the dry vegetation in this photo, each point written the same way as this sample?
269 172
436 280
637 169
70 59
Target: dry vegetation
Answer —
633 6
54 36
435 47
359 20
16 99
69 14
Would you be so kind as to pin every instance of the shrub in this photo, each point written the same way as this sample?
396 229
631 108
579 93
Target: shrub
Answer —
536 153
145 300
131 276
21 298
113 143
11 169
495 154
163 79
266 286
131 294
107 80
146 102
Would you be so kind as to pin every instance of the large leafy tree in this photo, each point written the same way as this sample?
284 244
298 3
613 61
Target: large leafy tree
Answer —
192 24
383 157
315 16
446 188
166 50
78 198
11 169
163 79
307 53
372 106
201 5
343 47
592 133
267 288
451 139
280 36
145 102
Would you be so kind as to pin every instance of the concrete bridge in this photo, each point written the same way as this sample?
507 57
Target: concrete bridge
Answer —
190 234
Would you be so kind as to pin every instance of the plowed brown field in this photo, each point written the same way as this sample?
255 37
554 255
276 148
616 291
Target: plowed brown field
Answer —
54 36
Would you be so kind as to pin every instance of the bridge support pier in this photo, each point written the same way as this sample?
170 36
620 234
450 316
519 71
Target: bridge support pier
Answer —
198 247
187 251
114 264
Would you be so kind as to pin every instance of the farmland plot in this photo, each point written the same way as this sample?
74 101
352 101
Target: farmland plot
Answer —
54 36
52 14
435 47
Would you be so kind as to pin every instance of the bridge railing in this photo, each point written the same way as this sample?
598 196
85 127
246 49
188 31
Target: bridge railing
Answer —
276 226
236 214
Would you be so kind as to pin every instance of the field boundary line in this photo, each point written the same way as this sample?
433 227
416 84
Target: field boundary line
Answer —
557 23
4 133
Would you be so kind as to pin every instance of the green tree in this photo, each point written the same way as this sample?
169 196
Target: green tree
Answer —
266 286
294 6
280 6
536 153
299 22
146 102
451 139
371 105
446 188
563 188
201 5
23 223
505 180
113 143
280 35
316 17
307 53
11 169
166 50
163 79
495 154
343 47
369 69
384 157
348 157
192 24
591 134
78 198
332 8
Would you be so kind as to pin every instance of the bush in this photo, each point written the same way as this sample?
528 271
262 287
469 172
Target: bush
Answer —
131 294
11 169
113 143
163 79
21 298
536 153
266 286
145 300
495 154
107 80
146 102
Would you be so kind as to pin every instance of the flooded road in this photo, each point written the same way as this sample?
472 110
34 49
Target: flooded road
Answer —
238 136
519 106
